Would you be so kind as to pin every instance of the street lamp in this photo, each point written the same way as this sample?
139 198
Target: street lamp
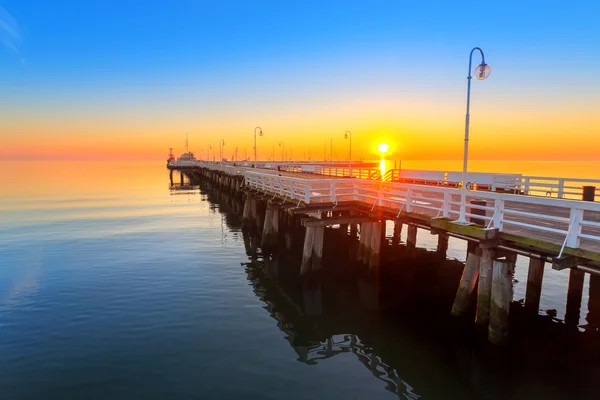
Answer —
259 128
221 149
209 149
481 72
282 145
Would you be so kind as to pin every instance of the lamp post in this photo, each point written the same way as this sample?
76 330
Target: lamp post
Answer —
221 149
209 149
282 145
481 72
259 128
348 135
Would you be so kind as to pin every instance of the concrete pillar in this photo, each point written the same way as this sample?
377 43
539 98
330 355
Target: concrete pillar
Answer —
375 247
502 295
397 233
467 285
317 249
484 288
309 237
411 238
574 294
535 276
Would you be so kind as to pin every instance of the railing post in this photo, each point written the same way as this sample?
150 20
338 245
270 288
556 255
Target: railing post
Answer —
498 220
446 205
409 200
281 186
332 197
561 188
355 190
573 238
307 193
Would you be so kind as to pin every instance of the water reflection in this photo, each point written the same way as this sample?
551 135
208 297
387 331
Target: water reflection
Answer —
396 323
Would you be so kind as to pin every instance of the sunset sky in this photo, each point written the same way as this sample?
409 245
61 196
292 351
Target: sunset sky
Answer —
128 79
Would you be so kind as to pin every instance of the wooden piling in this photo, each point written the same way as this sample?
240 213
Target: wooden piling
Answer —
364 228
484 287
574 294
317 248
502 295
375 247
353 230
181 178
411 236
268 227
397 233
467 285
535 277
171 176
247 214
369 232
309 237
442 245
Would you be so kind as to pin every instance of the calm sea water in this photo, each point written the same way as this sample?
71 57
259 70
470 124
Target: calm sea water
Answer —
113 286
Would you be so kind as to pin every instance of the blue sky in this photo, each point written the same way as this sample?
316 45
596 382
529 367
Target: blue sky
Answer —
180 59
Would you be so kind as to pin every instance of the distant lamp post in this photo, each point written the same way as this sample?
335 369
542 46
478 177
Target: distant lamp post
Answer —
348 135
260 133
221 149
282 145
481 72
209 149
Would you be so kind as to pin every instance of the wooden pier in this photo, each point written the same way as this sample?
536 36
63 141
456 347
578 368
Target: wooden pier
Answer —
506 221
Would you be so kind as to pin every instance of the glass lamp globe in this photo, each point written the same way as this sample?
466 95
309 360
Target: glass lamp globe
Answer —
482 71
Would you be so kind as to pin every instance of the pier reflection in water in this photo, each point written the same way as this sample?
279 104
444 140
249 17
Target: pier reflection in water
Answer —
396 322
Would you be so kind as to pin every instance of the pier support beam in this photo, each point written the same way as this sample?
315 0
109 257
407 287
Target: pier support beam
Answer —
171 176
535 276
375 245
317 248
247 214
181 178
353 230
309 237
442 245
484 288
502 295
467 284
270 230
364 234
411 236
397 233
574 295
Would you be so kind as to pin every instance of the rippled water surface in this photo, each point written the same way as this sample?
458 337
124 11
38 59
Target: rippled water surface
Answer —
113 286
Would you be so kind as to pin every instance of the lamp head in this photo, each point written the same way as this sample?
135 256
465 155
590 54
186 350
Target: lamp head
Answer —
260 133
345 136
482 71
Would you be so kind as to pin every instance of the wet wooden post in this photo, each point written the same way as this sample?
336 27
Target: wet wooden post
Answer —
574 294
271 226
364 228
171 176
484 288
369 232
181 178
502 295
317 249
411 236
397 233
467 283
353 230
309 237
593 316
535 276
375 247
247 214
442 245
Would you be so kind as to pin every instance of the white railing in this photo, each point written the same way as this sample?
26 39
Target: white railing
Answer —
561 221
562 188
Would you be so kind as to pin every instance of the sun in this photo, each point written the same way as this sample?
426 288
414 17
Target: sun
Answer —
383 148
